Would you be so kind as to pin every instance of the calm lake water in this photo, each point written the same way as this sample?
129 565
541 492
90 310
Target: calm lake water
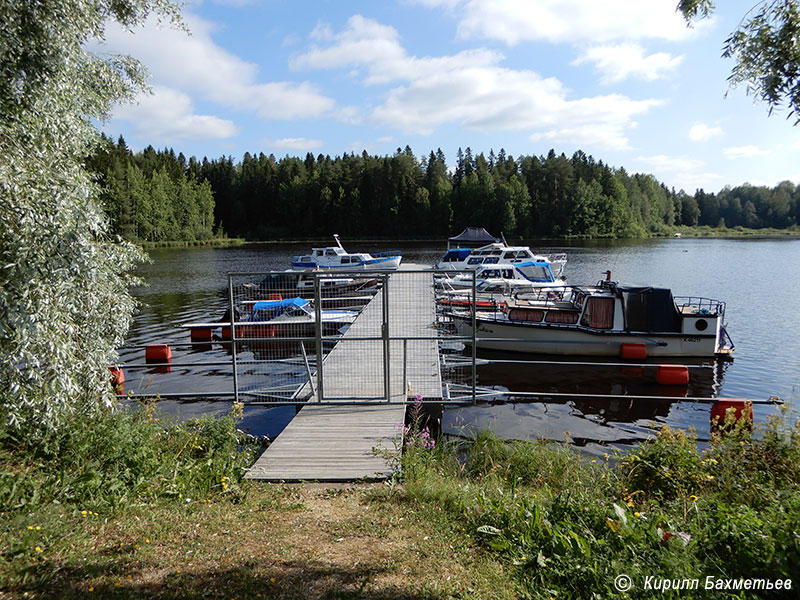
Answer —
757 278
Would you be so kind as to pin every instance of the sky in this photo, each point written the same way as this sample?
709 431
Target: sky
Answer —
625 81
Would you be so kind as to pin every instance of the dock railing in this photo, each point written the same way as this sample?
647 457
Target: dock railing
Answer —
357 337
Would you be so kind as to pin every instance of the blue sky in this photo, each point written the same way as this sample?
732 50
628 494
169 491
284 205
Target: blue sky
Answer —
625 81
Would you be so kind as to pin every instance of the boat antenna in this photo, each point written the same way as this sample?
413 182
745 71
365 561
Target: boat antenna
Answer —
338 243
505 243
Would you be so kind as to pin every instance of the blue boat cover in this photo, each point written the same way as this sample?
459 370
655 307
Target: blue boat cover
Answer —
456 254
271 304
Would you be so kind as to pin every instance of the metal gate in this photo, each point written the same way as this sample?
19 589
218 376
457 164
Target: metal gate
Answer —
350 337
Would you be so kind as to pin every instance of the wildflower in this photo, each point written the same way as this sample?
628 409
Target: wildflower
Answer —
594 461
30 527
693 498
605 456
91 589
37 528
708 478
637 514
146 541
38 549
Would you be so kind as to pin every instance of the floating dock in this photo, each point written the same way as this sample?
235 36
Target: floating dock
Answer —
336 443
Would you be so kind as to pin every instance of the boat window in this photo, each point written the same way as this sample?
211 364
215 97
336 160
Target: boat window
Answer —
508 274
570 318
330 253
492 260
525 314
599 313
538 273
318 253
476 260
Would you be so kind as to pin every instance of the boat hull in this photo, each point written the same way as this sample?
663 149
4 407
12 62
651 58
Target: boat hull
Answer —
541 338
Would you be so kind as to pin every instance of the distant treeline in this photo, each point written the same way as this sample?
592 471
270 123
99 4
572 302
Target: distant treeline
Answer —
156 195
153 196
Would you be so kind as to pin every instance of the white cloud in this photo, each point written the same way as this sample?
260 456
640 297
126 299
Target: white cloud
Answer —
700 132
683 173
622 61
470 88
662 162
168 114
571 21
196 65
298 144
735 152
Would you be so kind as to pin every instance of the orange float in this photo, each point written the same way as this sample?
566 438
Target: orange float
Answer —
158 353
633 350
741 408
673 375
117 380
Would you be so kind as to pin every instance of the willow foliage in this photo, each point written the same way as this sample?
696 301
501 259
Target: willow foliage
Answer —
64 304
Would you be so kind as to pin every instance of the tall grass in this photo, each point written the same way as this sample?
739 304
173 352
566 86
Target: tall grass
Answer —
103 461
568 525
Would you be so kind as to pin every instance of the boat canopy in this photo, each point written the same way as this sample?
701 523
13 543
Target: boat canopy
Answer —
649 309
278 305
456 254
473 235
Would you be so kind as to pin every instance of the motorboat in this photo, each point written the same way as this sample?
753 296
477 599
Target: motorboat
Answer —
606 319
289 317
505 278
496 283
495 253
277 286
336 257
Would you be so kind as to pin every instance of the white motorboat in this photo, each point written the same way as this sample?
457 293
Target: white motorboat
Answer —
290 317
505 278
336 257
603 320
459 259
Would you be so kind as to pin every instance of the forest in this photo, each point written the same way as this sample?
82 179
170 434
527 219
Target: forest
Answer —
156 195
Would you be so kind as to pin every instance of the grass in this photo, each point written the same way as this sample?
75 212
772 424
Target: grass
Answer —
166 513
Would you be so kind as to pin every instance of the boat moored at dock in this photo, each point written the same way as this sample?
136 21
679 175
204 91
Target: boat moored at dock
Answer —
336 257
290 317
602 320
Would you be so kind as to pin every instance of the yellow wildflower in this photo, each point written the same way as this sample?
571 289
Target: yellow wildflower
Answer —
693 498
38 549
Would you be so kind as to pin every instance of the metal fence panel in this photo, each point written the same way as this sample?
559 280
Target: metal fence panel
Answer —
359 337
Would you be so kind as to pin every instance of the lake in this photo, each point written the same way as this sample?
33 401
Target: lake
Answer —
757 278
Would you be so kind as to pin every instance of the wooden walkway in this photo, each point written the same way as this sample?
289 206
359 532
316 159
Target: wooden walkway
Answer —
335 443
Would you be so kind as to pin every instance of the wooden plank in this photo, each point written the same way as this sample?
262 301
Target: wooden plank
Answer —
338 443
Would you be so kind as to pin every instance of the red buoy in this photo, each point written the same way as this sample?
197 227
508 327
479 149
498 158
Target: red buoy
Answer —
632 350
741 409
117 380
158 353
673 375
201 334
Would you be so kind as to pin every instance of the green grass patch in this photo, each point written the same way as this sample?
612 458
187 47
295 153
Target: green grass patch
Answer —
566 525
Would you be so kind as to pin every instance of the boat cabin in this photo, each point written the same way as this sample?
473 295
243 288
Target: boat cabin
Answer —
628 308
